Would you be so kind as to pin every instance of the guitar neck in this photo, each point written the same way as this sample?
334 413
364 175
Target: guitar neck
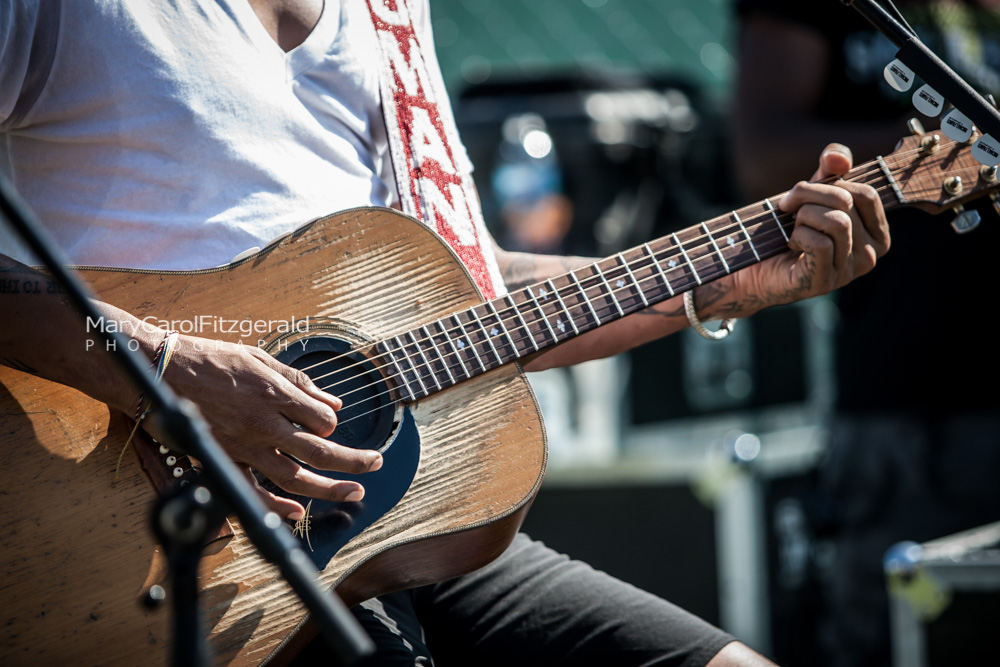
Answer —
440 354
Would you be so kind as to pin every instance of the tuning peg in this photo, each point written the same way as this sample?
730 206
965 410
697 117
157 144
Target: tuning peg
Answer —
956 126
915 127
930 143
965 221
953 185
928 101
898 75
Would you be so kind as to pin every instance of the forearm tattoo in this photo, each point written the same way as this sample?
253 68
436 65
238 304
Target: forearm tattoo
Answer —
16 279
523 269
720 298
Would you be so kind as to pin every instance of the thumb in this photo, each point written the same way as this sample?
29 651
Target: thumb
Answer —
835 160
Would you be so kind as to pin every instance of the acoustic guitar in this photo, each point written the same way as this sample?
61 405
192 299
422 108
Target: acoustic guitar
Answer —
380 312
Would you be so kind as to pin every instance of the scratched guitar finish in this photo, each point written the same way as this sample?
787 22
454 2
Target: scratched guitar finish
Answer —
436 385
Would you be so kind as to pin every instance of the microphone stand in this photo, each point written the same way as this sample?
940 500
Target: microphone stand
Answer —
184 519
931 68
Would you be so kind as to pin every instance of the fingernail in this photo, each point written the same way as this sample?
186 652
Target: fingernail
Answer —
376 463
296 516
354 496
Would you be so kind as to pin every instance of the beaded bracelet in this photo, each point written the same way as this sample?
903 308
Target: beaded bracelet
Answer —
164 351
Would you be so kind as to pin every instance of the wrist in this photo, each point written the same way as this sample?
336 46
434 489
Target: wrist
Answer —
139 337
725 326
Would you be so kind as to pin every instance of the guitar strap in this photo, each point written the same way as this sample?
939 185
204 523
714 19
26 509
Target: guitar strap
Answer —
433 173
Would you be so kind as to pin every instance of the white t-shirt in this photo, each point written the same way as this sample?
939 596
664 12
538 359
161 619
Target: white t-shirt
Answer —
203 139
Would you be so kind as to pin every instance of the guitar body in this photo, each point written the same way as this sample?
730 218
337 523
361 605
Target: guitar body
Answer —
76 548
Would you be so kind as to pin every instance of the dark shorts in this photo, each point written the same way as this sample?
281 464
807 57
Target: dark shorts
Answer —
532 606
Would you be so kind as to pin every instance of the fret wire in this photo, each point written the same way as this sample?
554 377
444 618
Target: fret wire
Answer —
562 304
711 238
400 373
659 268
454 349
545 318
503 328
472 343
736 217
600 274
768 252
572 274
686 258
444 361
395 360
427 363
406 354
611 292
524 325
774 214
578 284
489 339
628 269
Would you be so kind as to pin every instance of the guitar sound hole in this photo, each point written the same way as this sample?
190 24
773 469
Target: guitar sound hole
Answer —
367 417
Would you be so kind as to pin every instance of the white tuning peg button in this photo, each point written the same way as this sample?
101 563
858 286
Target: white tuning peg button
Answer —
987 151
956 126
928 101
898 75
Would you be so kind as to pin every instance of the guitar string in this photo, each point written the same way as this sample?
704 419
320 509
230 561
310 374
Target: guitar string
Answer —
581 306
621 272
443 357
729 229
618 271
444 360
595 281
589 283
748 262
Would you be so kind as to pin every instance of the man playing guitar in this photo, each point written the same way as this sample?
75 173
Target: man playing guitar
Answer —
176 136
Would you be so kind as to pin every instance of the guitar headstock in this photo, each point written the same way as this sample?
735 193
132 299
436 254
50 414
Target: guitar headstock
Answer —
935 173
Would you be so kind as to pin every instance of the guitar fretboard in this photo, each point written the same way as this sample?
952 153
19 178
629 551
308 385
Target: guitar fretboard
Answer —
445 352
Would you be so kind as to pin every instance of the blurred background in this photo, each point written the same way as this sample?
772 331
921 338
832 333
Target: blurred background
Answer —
687 466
